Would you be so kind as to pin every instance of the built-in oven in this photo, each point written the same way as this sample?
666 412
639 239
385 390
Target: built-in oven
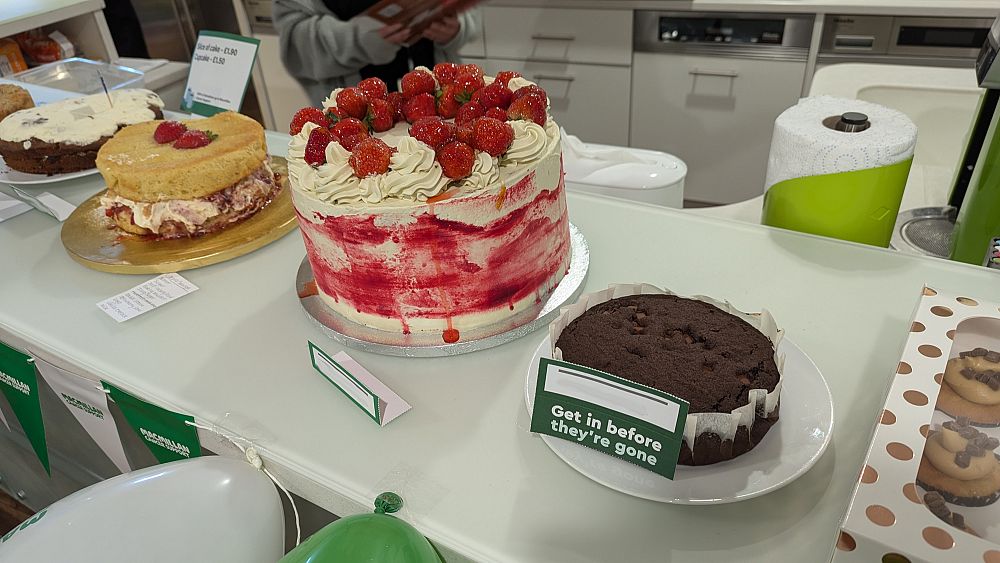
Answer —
951 42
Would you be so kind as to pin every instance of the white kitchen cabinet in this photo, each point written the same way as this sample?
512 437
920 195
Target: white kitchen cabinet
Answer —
590 101
558 34
714 112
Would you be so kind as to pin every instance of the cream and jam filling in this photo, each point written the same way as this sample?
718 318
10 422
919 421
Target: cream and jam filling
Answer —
191 214
961 451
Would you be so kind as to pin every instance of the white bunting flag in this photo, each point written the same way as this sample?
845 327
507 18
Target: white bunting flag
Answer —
89 405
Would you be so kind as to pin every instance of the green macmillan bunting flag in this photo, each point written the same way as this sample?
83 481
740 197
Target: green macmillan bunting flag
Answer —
20 387
166 433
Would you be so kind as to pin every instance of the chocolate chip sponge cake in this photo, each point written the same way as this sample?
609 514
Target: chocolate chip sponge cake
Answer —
170 179
14 98
65 136
716 361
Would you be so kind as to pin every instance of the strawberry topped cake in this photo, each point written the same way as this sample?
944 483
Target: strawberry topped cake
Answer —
439 209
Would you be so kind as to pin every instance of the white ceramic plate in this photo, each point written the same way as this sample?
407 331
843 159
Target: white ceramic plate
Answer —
11 176
789 449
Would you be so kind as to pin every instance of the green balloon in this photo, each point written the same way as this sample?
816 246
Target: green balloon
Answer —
367 538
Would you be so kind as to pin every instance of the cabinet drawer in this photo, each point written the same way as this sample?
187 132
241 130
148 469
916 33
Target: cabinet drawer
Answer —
714 113
554 34
590 101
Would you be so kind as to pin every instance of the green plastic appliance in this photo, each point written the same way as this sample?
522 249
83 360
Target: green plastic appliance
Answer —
976 191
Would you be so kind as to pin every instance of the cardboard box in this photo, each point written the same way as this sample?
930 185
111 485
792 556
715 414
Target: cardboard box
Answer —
888 520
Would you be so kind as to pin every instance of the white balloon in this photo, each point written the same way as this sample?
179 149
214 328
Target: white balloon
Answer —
210 509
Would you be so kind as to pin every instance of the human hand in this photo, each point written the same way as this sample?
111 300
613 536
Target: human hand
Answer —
395 33
443 30
459 5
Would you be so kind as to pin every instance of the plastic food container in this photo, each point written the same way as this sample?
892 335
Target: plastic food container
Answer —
82 76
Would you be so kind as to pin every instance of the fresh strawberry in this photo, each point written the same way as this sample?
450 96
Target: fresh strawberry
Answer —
351 141
373 88
417 82
530 107
449 101
347 129
381 116
353 102
497 113
469 69
468 112
469 83
421 105
495 95
371 156
465 133
504 76
456 159
169 131
493 136
307 115
334 115
433 130
396 100
319 138
194 138
529 89
445 73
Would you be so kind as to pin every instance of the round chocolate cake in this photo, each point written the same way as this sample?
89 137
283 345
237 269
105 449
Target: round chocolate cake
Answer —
685 347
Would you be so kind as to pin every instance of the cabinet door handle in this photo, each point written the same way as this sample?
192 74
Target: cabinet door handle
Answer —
563 78
552 37
722 73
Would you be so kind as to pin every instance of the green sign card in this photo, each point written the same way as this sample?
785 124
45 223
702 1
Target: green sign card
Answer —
365 390
20 387
612 415
220 73
166 433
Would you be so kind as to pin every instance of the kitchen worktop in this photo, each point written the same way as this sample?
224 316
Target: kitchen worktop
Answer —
949 8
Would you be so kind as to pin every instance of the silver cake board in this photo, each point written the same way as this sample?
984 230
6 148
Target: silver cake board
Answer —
430 344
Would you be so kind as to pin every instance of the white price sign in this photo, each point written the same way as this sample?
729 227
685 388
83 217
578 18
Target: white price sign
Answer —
220 73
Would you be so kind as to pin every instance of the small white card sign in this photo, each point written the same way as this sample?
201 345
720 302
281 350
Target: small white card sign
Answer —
146 296
220 73
47 203
365 390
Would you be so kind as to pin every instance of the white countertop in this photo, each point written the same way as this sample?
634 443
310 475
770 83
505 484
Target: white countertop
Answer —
22 15
475 480
949 8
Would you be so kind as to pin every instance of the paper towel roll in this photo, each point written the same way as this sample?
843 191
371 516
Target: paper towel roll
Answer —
802 146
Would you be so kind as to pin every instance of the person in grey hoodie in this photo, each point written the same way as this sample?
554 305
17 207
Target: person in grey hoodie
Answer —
326 44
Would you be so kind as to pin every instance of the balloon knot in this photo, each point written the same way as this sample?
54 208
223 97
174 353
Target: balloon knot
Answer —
387 503
253 458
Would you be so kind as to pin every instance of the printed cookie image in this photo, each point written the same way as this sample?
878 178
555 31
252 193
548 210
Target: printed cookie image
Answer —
959 463
716 361
971 387
936 504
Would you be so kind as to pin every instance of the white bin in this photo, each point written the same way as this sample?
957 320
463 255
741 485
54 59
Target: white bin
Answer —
639 175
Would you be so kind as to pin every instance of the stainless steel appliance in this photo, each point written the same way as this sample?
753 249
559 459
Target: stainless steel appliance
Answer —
953 42
170 29
707 88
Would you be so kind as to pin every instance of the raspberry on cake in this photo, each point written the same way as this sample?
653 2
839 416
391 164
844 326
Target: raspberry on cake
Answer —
183 179
432 227
65 136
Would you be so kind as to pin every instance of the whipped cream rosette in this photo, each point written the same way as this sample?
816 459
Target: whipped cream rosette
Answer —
734 431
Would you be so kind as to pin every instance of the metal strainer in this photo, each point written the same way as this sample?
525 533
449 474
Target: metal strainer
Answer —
925 231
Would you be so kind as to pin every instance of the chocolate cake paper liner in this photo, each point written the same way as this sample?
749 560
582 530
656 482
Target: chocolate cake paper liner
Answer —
722 424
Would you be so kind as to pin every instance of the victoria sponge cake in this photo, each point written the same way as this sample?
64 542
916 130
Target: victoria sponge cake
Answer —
174 179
